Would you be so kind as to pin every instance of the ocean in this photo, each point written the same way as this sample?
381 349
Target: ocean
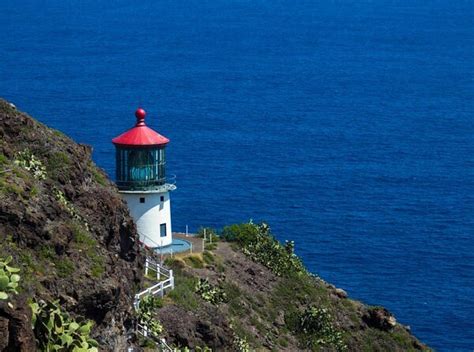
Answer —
346 125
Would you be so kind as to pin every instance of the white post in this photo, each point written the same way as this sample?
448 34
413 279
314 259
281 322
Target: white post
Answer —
161 252
161 289
146 267
191 248
187 234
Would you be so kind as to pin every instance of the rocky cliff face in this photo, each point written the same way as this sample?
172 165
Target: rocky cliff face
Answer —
68 231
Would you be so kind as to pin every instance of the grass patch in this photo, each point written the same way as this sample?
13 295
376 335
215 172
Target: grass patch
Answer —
98 176
98 266
58 163
46 252
64 267
3 159
195 261
82 236
84 241
208 257
9 187
210 246
183 293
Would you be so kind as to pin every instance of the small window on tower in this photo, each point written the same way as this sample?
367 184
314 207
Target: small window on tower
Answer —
142 200
163 230
162 198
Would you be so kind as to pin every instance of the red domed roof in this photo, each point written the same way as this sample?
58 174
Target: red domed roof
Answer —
140 135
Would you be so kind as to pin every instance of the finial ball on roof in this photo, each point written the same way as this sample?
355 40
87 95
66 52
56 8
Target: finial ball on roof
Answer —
140 114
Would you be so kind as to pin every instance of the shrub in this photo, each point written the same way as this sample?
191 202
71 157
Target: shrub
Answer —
258 243
241 233
317 327
55 330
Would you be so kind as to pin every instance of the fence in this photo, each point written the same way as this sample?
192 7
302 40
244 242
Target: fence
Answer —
160 287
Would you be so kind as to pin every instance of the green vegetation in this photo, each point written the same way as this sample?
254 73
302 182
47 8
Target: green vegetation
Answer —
146 315
210 293
194 261
28 161
8 278
59 165
241 344
64 267
183 293
257 242
47 252
318 329
10 187
85 242
55 330
208 257
98 176
210 232
3 159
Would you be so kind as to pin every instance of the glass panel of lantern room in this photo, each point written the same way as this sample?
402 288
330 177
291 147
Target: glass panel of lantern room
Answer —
121 165
140 165
161 166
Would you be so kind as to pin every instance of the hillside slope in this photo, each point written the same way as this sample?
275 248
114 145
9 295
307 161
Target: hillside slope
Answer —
252 293
68 231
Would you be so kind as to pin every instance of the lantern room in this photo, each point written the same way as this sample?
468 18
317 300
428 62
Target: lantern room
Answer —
140 157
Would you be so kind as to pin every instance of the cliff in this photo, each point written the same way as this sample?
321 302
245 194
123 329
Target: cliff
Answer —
70 234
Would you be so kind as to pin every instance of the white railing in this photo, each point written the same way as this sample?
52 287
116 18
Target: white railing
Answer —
152 265
143 330
160 287
155 290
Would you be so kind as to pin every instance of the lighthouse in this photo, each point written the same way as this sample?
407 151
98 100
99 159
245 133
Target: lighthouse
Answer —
141 179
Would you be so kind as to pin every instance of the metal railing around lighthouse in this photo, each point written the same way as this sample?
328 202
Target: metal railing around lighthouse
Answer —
146 183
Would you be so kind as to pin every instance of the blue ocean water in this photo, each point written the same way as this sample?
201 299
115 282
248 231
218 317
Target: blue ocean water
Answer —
347 125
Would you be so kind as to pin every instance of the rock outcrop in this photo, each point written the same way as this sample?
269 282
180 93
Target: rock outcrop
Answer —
68 231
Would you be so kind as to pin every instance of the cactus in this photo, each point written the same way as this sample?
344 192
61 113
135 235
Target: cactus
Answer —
209 293
8 278
28 161
55 330
146 315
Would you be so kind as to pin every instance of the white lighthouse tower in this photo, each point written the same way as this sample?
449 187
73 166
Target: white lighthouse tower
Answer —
141 179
